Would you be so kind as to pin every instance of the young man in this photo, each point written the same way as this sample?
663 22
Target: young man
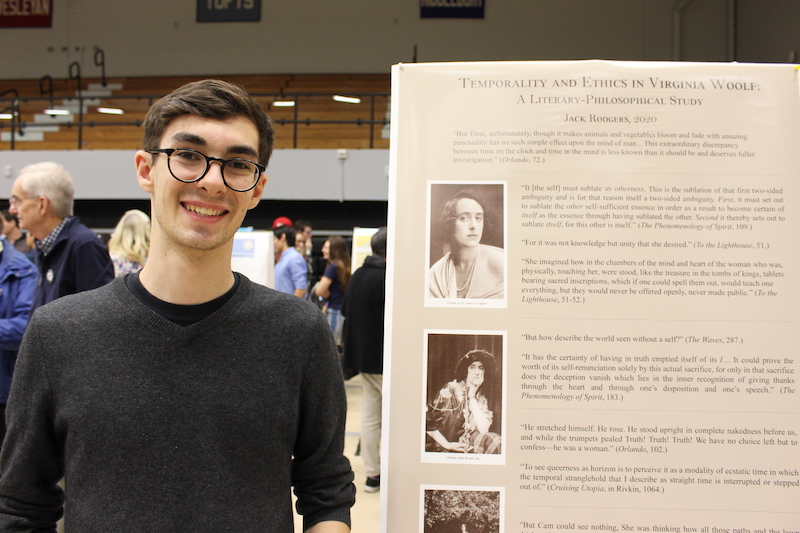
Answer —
181 398
291 270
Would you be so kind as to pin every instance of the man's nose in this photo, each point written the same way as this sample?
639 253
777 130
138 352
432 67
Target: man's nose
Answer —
213 181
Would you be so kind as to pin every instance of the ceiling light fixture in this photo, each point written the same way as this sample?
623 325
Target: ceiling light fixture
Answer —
6 116
110 111
54 112
283 103
347 99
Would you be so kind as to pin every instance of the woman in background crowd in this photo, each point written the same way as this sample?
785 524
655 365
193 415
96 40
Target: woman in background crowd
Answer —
130 242
334 281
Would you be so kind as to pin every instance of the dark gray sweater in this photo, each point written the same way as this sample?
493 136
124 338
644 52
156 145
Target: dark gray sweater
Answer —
163 428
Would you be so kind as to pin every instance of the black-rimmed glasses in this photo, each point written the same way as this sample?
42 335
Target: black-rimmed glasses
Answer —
188 166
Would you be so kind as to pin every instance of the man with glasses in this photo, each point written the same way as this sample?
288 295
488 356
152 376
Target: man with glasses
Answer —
72 257
180 398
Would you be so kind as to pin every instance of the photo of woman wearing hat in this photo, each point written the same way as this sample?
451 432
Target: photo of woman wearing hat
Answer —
463 408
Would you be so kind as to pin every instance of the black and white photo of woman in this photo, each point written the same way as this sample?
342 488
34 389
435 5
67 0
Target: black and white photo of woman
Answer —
467 243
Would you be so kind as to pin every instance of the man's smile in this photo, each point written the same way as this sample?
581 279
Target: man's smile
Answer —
206 211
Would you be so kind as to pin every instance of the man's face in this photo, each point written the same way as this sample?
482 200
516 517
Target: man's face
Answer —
26 208
7 225
302 236
279 245
203 215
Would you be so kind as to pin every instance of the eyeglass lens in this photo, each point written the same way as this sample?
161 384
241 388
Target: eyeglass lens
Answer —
189 165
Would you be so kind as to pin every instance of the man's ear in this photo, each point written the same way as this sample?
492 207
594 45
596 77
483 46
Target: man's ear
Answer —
144 170
257 191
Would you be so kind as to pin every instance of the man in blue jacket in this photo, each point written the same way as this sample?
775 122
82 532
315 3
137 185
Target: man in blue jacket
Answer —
17 283
73 259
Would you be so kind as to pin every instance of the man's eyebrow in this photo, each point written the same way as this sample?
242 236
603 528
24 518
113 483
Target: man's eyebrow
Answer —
191 138
242 150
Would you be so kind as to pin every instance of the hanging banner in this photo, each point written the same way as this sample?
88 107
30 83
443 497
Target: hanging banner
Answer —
594 309
451 9
26 13
228 10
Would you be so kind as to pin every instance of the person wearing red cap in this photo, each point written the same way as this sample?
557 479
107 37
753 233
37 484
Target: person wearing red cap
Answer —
291 271
282 221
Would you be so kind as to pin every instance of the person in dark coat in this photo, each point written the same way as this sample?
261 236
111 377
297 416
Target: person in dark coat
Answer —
363 308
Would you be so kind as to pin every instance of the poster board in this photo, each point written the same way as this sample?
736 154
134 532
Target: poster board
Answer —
639 294
254 256
361 246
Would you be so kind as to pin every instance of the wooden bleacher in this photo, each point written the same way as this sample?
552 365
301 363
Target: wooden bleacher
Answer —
323 122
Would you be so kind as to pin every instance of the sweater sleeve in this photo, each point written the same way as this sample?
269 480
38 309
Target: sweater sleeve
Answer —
31 461
321 474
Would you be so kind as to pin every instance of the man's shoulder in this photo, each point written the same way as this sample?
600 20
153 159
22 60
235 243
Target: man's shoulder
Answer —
78 232
274 301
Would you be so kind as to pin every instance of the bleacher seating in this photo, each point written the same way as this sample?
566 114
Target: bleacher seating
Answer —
317 122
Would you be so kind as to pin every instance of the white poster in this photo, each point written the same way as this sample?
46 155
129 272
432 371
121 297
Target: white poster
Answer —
254 256
594 311
361 248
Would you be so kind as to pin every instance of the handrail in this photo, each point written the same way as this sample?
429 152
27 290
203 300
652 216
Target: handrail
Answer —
14 108
77 76
101 63
296 121
49 90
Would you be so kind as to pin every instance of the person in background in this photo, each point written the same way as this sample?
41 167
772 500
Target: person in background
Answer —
333 283
279 223
302 238
17 282
180 398
130 242
363 310
15 236
291 272
72 257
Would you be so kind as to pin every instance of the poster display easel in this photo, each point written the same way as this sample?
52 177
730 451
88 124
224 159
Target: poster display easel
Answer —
594 309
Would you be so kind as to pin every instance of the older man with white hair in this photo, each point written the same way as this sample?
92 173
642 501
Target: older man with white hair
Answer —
72 258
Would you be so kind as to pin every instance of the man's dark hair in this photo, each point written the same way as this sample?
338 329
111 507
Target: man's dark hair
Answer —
378 242
301 225
215 99
10 217
285 230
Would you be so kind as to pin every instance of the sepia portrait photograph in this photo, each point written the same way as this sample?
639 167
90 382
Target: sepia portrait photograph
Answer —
464 386
467 249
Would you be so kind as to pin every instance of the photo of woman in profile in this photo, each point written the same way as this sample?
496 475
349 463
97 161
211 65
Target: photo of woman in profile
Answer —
459 418
468 268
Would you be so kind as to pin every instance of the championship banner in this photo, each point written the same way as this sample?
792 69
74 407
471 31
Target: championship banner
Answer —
26 13
594 309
